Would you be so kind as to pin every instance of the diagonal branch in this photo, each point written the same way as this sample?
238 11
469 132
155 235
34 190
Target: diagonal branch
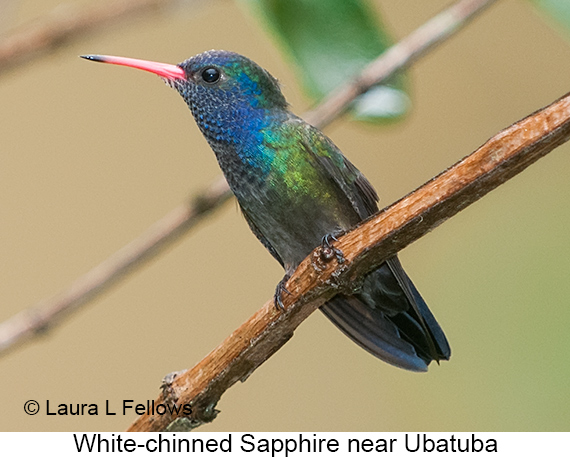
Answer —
66 23
398 57
31 322
36 321
365 247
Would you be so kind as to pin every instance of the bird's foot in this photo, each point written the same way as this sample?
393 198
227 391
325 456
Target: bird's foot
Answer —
279 290
328 251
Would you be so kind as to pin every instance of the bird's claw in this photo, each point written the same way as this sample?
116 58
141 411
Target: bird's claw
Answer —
279 290
328 251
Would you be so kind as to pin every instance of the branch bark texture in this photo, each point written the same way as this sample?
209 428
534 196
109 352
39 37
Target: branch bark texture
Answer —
367 246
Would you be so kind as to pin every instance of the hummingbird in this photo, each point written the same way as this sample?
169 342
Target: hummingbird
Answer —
297 191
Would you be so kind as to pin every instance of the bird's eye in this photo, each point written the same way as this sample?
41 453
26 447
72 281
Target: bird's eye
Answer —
210 75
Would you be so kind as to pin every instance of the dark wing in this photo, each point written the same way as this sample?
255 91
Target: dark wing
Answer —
351 182
389 318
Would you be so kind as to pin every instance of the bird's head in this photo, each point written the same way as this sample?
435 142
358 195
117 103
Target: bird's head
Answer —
213 81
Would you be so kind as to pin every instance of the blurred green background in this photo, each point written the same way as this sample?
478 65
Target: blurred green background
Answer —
92 155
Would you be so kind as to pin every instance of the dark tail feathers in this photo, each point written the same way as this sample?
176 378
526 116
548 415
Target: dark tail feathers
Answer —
390 319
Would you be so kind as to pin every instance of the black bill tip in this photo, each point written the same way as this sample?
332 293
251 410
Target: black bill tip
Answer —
93 57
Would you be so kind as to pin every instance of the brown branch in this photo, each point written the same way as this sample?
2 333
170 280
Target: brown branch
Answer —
400 56
66 23
499 159
29 323
33 321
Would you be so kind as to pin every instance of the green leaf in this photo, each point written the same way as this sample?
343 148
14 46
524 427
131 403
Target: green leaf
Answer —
558 10
331 41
